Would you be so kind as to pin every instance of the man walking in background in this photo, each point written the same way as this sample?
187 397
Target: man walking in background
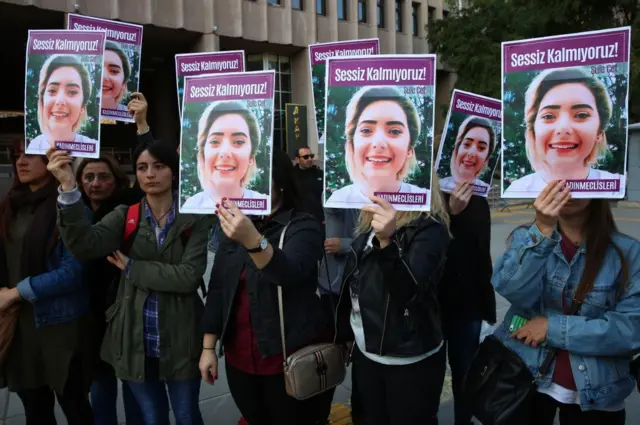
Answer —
311 181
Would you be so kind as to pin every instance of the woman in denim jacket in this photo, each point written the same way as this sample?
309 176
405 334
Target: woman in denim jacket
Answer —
573 242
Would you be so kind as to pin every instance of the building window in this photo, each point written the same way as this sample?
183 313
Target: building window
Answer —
415 18
282 66
296 4
321 7
362 11
342 10
399 4
445 14
432 15
274 2
380 13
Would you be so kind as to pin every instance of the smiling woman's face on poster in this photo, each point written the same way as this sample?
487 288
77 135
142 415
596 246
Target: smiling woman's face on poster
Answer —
115 76
474 145
228 137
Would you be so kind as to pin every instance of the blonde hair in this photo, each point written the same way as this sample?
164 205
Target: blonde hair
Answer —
62 61
358 103
467 125
438 211
218 109
541 85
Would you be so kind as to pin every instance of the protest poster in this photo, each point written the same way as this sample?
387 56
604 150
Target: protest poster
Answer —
565 114
63 74
379 130
470 144
318 55
226 142
208 63
122 54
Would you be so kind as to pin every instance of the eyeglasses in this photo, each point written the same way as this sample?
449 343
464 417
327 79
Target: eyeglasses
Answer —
309 156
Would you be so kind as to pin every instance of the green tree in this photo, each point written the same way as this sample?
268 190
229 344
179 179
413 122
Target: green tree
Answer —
469 40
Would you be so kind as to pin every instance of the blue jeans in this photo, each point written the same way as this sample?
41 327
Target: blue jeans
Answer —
104 398
152 397
462 340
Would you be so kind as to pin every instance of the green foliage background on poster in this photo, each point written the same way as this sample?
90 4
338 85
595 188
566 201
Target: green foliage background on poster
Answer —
318 73
335 169
133 53
91 126
455 119
516 164
190 184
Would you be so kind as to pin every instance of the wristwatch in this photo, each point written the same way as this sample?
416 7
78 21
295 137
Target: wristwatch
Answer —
262 245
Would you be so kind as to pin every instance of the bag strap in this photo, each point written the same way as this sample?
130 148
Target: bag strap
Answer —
281 305
576 303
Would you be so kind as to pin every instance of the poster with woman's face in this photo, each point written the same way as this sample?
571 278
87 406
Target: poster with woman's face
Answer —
565 114
470 144
121 74
226 142
318 55
379 131
62 92
208 63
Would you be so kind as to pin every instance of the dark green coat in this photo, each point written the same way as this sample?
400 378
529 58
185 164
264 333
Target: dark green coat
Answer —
173 271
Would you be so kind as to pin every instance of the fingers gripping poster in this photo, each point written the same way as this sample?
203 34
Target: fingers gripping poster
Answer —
379 131
565 114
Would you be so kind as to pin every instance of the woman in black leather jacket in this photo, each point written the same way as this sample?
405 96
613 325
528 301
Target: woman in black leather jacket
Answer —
389 306
242 305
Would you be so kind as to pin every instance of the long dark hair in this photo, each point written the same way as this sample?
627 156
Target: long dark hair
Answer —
285 182
599 228
7 211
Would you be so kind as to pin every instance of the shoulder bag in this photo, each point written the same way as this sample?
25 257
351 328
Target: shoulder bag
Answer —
499 386
313 369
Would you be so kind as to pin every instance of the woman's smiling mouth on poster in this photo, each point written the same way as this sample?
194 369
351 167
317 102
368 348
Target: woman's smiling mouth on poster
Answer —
473 153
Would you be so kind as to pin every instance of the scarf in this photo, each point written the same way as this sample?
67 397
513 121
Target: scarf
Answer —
40 238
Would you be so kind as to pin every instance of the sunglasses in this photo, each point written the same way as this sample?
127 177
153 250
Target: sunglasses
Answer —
310 156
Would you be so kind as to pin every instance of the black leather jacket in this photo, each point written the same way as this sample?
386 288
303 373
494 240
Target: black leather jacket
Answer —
397 290
295 268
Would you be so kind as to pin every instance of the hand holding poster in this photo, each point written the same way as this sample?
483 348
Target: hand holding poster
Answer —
565 114
379 130
121 62
226 142
470 144
209 63
318 55
62 91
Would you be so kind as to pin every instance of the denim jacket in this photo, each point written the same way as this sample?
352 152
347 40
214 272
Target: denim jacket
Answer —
61 294
604 334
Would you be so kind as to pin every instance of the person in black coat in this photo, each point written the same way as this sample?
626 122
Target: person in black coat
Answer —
466 295
310 179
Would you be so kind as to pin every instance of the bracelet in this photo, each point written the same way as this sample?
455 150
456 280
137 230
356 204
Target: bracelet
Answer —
208 348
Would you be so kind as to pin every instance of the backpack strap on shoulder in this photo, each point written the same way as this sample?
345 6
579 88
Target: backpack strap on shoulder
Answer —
131 226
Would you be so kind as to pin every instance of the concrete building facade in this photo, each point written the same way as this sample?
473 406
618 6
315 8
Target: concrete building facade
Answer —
273 33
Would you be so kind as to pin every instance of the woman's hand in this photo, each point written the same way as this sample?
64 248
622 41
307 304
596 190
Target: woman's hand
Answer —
460 197
209 366
8 297
138 107
119 260
384 219
236 225
534 332
60 166
548 205
332 245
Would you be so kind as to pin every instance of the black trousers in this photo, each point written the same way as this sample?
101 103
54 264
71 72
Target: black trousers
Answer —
398 395
39 403
545 409
263 400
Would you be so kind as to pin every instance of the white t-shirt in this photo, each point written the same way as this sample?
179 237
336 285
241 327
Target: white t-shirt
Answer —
532 184
351 197
41 144
202 203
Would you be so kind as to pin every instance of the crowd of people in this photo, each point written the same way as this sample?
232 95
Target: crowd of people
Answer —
103 281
